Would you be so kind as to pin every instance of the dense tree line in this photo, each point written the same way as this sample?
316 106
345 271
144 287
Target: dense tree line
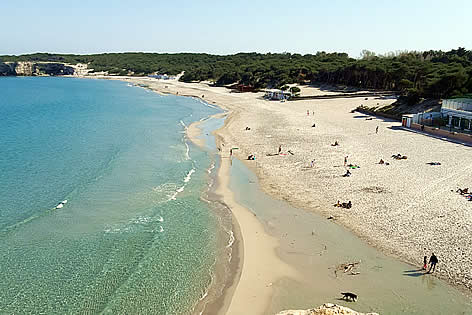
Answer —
433 74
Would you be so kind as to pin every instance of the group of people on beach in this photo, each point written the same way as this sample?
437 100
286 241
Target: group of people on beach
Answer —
433 260
346 205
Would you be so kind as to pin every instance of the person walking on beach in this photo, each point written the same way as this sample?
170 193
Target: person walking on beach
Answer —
345 160
425 263
280 149
377 129
433 260
307 112
231 152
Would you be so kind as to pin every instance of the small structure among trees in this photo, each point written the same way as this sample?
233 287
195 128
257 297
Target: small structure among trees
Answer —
274 94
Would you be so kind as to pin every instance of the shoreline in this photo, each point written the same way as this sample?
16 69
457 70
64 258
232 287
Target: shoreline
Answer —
195 90
210 303
252 250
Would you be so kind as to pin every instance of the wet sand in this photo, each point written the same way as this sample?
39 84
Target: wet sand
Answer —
255 266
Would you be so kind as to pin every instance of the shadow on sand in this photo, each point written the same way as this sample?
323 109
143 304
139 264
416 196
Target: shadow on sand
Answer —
414 273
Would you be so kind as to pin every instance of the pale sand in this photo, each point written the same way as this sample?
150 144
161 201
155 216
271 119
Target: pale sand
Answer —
406 208
261 266
257 268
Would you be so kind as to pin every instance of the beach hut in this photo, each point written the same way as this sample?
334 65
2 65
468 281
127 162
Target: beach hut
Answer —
407 119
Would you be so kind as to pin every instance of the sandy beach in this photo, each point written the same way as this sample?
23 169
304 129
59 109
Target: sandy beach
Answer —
407 208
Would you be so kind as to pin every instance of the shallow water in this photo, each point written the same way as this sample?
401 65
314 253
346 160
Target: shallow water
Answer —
315 246
135 236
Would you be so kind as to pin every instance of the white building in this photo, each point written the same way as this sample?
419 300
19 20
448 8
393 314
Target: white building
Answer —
459 112
274 94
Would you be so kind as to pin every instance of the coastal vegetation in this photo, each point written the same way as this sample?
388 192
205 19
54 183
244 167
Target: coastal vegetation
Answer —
428 74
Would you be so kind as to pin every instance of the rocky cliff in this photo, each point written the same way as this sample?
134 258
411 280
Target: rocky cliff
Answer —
29 68
325 309
25 68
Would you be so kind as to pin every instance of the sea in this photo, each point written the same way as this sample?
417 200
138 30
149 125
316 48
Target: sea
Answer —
137 234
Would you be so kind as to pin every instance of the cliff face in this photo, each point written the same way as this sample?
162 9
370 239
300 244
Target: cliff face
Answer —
29 68
325 309
25 68
53 69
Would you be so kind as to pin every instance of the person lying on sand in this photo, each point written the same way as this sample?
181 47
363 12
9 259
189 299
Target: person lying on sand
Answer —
347 174
353 166
399 157
251 157
335 144
462 191
434 163
347 205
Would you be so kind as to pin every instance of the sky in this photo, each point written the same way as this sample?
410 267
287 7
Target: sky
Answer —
227 27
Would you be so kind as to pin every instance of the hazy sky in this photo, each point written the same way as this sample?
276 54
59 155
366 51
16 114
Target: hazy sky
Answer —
230 26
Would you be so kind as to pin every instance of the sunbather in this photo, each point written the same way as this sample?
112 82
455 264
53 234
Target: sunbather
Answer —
347 205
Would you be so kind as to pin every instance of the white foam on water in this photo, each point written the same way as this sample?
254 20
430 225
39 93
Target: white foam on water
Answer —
187 178
189 175
142 220
183 124
206 104
231 238
187 152
167 192
212 166
174 196
161 229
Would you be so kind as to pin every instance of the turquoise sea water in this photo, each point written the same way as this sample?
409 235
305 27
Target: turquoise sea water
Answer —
134 236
